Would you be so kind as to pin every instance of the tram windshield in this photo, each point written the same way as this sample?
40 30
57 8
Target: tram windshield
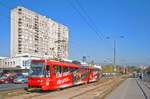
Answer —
37 69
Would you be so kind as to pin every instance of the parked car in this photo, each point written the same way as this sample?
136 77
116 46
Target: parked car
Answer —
6 79
12 75
20 80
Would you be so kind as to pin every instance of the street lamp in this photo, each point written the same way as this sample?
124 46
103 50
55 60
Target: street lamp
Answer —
114 51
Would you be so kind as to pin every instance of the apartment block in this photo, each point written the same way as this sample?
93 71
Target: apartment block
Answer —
37 35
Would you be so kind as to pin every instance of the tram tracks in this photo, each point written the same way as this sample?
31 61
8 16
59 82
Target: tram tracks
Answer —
148 86
11 93
95 89
139 83
99 91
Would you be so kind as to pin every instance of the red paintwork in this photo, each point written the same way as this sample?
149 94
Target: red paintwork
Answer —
53 82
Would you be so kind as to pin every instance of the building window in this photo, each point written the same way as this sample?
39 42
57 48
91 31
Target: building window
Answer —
19 19
19 41
19 12
19 25
19 29
19 44
19 9
36 51
19 22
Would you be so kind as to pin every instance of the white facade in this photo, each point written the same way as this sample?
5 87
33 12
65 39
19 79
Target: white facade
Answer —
2 61
21 61
37 35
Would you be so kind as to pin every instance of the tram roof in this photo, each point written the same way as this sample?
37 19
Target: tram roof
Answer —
63 63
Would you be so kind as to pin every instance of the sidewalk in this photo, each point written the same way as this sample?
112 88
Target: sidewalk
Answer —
129 89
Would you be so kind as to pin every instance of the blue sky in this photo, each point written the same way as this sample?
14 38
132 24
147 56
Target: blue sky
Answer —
130 18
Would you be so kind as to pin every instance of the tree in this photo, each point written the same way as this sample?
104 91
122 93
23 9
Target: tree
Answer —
147 70
134 69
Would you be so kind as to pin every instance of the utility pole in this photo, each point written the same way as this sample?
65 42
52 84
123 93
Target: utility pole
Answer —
114 53
114 56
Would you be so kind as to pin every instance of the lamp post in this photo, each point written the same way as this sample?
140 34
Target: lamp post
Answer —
114 56
114 52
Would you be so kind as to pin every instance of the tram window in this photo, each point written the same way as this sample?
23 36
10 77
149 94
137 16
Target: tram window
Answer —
71 69
65 69
47 70
58 69
76 69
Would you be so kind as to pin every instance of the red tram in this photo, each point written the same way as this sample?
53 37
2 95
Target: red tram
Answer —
51 75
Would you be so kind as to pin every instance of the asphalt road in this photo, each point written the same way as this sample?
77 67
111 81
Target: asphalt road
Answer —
5 87
131 89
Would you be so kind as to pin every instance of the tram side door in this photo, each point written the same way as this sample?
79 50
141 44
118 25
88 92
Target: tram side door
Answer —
66 79
57 75
47 71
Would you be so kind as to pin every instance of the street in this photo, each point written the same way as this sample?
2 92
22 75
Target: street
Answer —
95 90
131 89
5 87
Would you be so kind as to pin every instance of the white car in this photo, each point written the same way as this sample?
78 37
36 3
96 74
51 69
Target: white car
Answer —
20 80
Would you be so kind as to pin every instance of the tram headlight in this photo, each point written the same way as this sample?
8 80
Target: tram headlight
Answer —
47 83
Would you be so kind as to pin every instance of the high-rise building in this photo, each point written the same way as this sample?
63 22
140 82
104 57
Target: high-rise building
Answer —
37 35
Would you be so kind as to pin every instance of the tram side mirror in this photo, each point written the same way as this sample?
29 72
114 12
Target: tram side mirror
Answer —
47 67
